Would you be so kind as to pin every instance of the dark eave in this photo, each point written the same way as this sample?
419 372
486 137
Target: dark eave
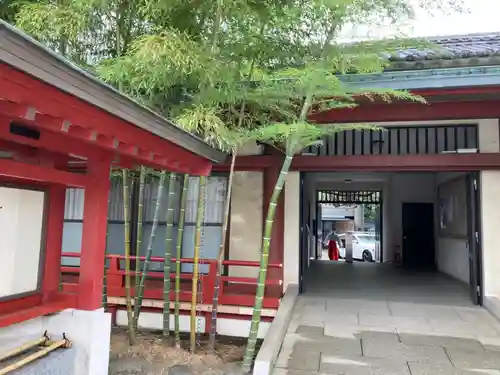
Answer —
29 56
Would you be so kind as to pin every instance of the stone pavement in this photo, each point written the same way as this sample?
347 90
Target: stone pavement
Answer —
338 336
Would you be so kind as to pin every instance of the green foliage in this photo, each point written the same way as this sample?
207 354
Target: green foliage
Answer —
161 52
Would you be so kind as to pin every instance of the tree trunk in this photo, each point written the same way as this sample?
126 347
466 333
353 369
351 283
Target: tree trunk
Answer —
140 213
264 260
128 295
196 258
149 251
220 257
178 256
167 263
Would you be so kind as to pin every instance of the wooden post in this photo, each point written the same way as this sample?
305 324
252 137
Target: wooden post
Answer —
53 245
95 215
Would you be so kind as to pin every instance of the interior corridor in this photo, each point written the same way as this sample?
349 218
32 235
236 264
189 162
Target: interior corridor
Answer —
383 282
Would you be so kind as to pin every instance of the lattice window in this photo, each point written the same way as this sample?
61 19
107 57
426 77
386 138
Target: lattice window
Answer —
348 197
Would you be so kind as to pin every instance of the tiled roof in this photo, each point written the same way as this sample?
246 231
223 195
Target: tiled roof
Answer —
455 47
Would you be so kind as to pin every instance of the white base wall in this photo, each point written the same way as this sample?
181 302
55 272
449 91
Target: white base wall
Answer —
88 331
453 258
225 326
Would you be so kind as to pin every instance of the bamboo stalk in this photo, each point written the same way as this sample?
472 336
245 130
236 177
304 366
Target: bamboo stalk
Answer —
130 316
140 213
167 262
220 257
264 260
196 259
149 251
21 349
64 343
178 256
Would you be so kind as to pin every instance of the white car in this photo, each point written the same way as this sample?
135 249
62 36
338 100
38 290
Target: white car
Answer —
364 246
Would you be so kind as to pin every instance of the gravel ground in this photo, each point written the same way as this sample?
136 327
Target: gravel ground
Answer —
154 355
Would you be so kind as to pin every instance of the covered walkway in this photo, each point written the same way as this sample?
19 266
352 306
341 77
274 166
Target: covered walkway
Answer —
377 319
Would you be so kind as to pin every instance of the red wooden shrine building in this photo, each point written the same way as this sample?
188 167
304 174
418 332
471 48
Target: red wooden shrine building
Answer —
54 120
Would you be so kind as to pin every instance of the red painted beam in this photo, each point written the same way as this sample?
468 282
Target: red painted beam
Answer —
387 163
21 88
51 141
28 308
31 172
457 91
410 112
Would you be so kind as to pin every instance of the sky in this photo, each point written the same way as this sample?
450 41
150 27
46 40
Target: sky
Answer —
483 16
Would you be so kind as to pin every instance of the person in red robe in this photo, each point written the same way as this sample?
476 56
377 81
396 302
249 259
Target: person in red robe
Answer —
333 248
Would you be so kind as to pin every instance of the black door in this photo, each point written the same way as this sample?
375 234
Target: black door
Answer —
473 237
418 236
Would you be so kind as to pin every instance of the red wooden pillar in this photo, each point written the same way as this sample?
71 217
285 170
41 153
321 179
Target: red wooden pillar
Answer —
53 245
276 254
95 216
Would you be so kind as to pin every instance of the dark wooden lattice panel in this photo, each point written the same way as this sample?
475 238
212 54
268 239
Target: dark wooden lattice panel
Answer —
340 196
398 140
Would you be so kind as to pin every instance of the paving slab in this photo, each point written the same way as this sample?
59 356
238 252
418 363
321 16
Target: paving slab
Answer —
440 340
331 346
357 365
406 309
417 368
382 338
307 330
352 331
282 371
401 351
470 359
305 360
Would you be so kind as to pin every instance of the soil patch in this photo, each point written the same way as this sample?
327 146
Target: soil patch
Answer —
153 354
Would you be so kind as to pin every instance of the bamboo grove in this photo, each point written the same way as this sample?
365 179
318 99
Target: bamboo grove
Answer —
230 72
171 192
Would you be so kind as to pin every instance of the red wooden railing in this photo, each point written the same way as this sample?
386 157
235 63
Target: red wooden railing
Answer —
235 290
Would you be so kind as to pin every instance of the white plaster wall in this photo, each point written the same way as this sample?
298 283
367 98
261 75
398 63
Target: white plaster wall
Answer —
225 326
452 254
488 135
453 258
292 230
21 221
490 220
246 221
490 210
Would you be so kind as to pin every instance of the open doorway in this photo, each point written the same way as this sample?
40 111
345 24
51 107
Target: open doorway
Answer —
349 225
426 231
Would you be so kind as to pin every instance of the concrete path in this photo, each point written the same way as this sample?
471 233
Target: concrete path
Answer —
367 337
362 318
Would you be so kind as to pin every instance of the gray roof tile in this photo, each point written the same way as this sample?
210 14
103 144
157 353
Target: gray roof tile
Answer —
454 47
